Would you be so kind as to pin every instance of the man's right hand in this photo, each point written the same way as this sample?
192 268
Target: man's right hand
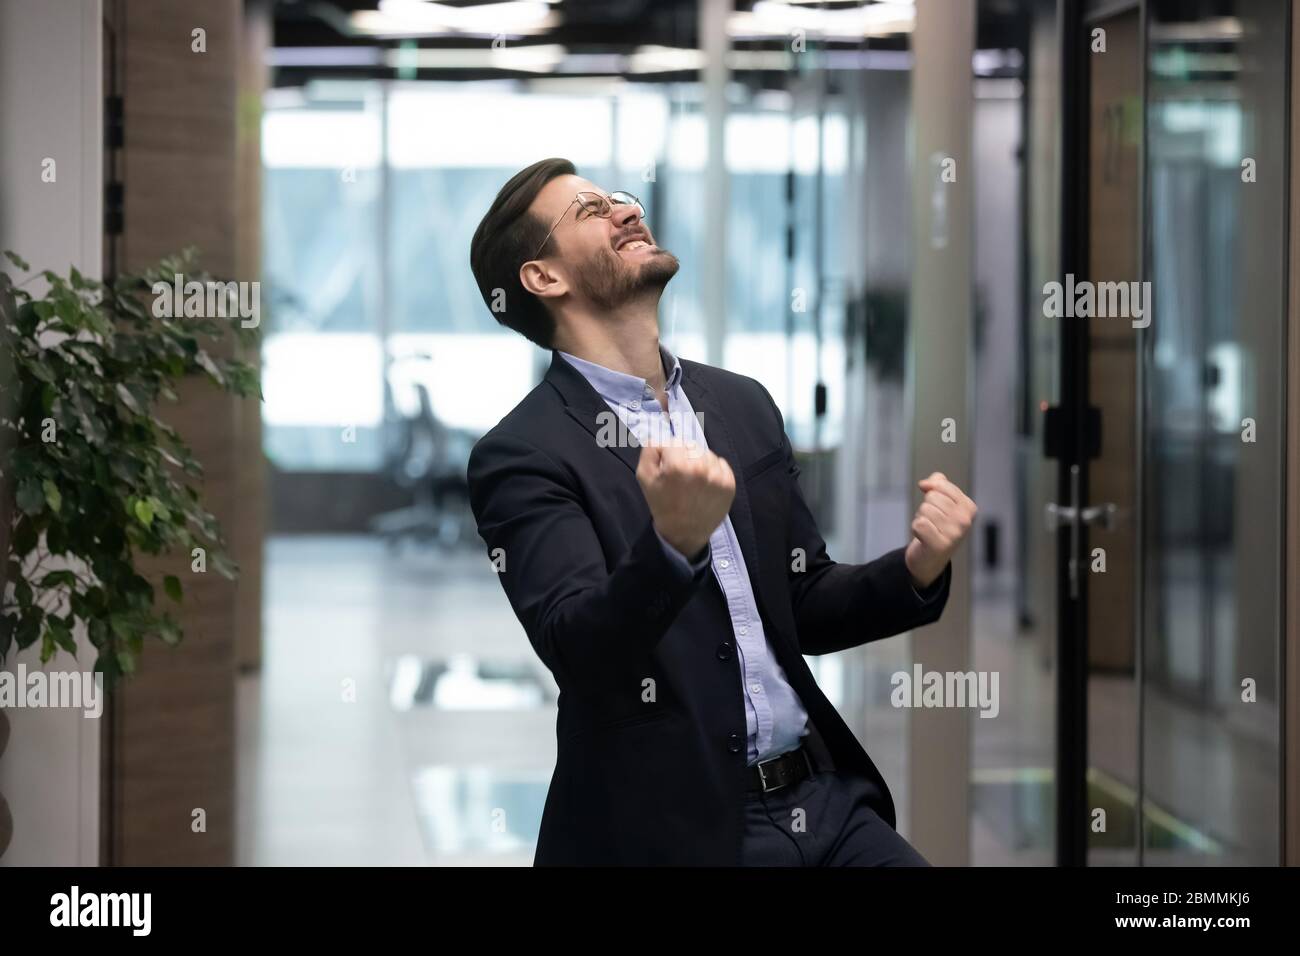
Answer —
689 493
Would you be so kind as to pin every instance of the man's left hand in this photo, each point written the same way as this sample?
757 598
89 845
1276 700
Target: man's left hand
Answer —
942 520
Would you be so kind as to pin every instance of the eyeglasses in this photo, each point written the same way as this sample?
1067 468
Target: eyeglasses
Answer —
597 205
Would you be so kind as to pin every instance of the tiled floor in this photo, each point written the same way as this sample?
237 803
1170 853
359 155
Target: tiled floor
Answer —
328 777
333 772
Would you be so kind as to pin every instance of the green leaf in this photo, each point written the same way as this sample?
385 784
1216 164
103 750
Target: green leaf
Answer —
128 399
205 362
106 664
52 496
27 318
143 512
58 629
25 538
172 585
30 497
91 427
160 510
56 538
224 566
14 258
169 631
98 631
126 661
63 578
29 628
123 624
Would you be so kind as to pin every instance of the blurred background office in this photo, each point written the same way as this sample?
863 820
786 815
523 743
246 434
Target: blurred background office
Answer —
867 199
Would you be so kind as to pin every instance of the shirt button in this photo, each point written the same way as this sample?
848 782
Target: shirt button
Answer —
724 564
756 688
744 630
634 405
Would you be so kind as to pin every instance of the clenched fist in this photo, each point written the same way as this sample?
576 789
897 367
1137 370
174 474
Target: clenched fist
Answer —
689 492
942 520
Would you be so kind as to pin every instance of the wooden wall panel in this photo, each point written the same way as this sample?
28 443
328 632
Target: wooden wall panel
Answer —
1114 255
173 729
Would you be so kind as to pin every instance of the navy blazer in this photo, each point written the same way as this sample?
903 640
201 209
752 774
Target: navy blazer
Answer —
651 723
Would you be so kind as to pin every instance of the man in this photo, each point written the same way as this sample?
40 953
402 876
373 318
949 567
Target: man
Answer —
646 520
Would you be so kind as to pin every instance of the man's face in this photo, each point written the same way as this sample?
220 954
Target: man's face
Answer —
605 260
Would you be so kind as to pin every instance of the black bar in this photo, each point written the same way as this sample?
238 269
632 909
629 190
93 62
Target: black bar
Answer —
1071 627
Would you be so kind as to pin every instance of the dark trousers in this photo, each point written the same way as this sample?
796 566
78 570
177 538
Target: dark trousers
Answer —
824 820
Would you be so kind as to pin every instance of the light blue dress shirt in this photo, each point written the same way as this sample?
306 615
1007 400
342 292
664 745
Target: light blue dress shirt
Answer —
775 720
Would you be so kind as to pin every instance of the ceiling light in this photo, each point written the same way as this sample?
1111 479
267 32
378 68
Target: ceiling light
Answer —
413 18
770 19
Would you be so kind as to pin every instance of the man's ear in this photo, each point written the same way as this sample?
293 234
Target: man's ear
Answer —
541 279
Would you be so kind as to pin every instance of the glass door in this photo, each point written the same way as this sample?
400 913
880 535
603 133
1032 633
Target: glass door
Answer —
1169 436
1213 498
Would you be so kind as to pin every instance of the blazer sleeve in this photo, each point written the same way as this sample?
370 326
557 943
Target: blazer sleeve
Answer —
588 622
838 606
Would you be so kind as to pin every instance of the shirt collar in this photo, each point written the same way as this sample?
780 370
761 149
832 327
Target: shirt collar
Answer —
621 388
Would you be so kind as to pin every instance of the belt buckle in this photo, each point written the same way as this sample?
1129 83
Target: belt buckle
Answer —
762 774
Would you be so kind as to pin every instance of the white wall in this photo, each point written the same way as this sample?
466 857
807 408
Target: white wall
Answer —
51 106
997 136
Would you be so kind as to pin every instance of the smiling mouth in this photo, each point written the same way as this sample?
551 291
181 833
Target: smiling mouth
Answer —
632 245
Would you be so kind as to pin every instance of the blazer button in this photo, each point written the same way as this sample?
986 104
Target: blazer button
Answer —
734 743
724 651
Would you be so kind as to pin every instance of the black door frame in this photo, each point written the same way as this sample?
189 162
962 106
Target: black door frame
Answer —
1077 437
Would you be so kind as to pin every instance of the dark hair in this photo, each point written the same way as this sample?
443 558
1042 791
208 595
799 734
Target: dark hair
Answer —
508 237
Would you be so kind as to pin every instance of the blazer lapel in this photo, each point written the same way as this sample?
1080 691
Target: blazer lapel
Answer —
586 406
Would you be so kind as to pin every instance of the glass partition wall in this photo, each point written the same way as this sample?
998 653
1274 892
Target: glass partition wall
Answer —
1213 497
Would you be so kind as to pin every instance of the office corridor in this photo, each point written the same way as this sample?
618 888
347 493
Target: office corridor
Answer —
440 750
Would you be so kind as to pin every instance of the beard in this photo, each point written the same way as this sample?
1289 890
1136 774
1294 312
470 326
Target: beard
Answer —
610 281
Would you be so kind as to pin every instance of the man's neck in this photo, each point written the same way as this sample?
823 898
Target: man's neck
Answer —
627 342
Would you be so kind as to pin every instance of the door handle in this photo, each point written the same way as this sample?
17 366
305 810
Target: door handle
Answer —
1105 515
1075 517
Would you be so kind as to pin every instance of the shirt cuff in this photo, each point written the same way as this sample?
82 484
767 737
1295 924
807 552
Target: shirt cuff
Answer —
932 590
680 561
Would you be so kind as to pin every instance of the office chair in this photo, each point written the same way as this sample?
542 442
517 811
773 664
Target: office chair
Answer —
430 459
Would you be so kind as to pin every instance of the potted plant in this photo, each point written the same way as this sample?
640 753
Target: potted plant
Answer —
90 477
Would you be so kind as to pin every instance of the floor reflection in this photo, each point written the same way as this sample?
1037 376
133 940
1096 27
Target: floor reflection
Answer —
472 809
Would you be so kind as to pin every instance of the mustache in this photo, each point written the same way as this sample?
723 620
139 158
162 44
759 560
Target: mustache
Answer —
639 233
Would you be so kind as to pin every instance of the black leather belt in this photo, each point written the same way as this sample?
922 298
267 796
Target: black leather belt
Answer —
782 771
